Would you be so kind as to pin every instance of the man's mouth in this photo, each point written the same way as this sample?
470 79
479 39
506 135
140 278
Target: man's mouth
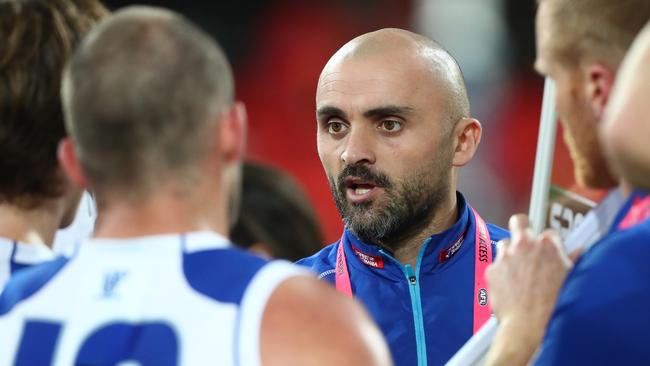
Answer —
358 190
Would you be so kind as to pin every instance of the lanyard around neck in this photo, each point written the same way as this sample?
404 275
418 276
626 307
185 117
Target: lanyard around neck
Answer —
482 259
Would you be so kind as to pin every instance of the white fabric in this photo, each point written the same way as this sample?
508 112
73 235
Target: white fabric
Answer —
253 304
146 283
80 229
20 253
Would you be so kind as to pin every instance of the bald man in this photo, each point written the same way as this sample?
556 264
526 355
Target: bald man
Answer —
394 128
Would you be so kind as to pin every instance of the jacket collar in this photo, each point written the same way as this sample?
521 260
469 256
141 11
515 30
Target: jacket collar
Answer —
438 251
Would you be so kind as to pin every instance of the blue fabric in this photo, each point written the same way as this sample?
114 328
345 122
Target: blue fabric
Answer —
155 343
601 317
13 265
27 282
446 290
625 209
221 274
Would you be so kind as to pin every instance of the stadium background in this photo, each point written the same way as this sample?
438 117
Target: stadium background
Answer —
278 47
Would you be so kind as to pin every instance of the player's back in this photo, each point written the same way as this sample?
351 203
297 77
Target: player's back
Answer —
160 300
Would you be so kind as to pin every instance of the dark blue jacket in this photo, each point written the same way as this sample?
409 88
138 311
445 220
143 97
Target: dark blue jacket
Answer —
425 313
601 316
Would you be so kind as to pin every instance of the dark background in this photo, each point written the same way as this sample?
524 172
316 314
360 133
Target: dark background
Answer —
278 47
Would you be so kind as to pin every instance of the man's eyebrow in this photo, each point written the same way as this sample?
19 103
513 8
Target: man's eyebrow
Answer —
388 110
329 111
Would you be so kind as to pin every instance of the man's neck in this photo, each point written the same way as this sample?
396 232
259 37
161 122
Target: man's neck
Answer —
31 226
159 214
444 218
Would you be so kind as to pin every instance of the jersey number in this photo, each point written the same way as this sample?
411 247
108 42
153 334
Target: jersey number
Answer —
144 343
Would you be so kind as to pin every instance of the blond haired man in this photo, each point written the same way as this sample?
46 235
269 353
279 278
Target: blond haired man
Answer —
580 44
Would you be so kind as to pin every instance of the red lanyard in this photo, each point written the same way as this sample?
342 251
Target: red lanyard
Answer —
482 259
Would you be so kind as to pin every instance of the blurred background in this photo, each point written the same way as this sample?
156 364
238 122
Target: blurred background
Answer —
278 48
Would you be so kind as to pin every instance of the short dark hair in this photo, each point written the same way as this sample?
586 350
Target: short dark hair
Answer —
276 212
143 94
36 39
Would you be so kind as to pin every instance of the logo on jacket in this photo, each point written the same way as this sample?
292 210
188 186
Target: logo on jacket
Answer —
453 249
482 297
369 259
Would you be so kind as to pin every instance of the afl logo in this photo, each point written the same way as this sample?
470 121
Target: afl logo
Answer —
482 297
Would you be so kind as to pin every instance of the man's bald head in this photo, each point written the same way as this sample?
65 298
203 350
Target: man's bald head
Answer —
143 94
393 129
395 46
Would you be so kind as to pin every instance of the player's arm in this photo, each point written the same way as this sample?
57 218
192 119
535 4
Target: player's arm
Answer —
307 323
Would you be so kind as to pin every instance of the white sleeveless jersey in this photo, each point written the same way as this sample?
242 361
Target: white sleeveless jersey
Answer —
15 256
186 299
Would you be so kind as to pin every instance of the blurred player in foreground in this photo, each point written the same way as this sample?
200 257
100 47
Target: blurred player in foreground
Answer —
598 316
626 132
36 39
155 133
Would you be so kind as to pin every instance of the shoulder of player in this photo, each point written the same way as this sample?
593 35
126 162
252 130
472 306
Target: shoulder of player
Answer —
614 270
320 324
222 274
622 255
28 282
497 233
322 261
604 299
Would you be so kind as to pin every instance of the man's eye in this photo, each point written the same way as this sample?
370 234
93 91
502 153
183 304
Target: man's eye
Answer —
390 125
335 127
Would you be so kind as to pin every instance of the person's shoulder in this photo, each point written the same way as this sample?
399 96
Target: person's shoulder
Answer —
626 248
604 299
311 316
613 271
322 261
222 274
497 233
27 282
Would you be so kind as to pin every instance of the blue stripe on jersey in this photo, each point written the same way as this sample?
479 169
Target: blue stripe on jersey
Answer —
145 343
221 274
27 282
39 336
13 265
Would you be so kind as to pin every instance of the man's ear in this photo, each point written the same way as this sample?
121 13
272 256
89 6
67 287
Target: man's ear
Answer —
599 80
467 136
70 163
232 133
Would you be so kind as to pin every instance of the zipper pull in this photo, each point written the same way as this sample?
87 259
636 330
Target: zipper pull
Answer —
412 280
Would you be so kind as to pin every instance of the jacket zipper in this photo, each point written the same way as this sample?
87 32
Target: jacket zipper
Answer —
413 279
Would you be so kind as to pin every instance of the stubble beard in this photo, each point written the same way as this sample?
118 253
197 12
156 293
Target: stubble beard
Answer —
404 210
590 167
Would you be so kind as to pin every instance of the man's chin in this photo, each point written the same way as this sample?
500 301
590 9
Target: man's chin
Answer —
594 178
360 216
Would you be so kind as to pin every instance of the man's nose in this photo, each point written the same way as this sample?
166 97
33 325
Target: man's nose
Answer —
359 147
